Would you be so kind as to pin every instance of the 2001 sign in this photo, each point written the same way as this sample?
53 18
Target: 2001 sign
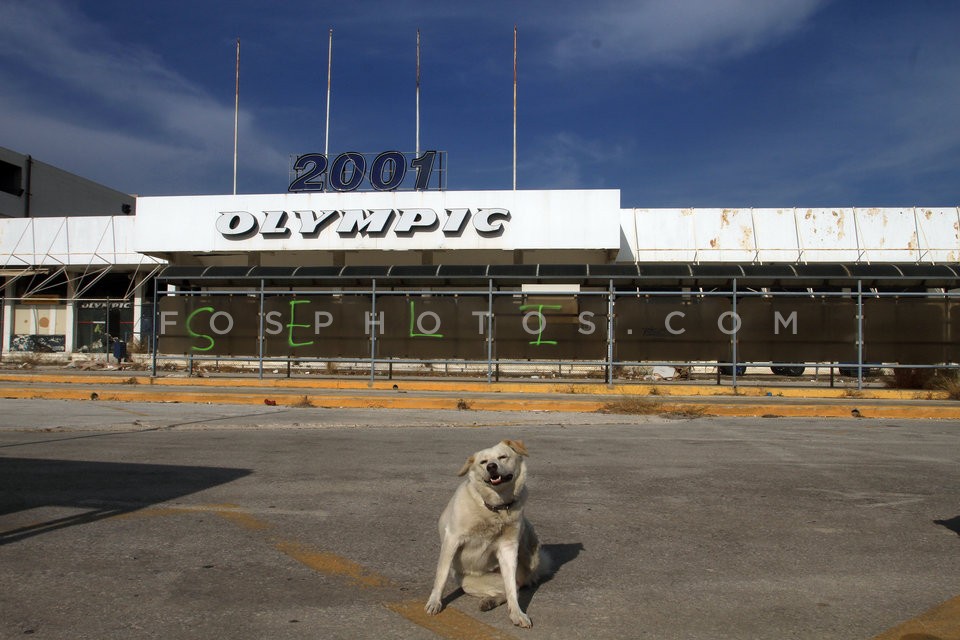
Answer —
387 171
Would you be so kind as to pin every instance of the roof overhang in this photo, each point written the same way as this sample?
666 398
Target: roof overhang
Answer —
654 275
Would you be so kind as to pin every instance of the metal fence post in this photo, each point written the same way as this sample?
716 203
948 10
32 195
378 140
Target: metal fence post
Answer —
260 333
610 307
107 330
489 330
859 335
154 337
373 330
733 336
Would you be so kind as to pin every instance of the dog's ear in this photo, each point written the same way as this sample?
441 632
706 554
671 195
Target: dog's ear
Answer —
466 466
518 446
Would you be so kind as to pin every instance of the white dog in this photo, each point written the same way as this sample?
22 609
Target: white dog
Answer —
484 537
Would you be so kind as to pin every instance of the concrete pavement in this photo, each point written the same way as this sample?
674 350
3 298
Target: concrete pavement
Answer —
180 521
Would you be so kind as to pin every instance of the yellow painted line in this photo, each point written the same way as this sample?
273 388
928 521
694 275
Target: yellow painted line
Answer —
940 623
450 623
332 564
241 518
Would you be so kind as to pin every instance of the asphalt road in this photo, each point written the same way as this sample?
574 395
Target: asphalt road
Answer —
124 520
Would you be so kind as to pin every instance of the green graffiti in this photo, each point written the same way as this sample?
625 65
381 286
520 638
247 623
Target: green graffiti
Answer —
292 324
543 321
194 334
413 334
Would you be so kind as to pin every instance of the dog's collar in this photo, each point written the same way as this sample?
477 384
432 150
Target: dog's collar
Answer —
499 507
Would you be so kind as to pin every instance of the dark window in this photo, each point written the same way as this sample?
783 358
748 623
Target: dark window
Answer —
11 178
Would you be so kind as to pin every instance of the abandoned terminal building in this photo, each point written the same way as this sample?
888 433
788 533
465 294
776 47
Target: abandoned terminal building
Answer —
374 275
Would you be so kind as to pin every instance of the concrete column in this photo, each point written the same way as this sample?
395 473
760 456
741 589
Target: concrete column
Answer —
71 321
8 289
137 305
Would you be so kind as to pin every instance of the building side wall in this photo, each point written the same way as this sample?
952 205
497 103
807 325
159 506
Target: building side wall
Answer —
43 190
58 193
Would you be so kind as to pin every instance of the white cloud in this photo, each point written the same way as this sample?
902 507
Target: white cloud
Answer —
679 31
566 160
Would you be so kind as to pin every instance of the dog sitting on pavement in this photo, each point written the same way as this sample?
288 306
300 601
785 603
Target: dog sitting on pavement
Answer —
485 540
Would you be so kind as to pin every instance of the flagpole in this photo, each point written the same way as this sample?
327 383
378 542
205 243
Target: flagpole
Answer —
418 94
236 119
326 135
514 107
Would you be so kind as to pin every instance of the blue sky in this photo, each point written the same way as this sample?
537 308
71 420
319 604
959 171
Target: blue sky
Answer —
706 103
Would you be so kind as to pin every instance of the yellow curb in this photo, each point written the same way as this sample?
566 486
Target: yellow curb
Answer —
468 386
688 406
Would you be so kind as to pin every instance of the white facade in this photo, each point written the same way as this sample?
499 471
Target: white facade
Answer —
478 225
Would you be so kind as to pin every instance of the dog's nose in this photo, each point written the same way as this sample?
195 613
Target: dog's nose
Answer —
491 467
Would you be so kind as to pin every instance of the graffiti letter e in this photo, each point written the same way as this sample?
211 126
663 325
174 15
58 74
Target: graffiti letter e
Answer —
292 324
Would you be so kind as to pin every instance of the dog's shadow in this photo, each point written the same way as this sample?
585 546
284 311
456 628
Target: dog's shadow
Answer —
560 554
953 524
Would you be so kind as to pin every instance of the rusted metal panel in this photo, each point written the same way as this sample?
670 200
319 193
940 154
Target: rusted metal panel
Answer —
828 235
837 234
666 235
887 235
724 235
938 230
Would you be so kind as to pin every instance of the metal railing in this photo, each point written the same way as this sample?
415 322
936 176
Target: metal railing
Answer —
585 331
